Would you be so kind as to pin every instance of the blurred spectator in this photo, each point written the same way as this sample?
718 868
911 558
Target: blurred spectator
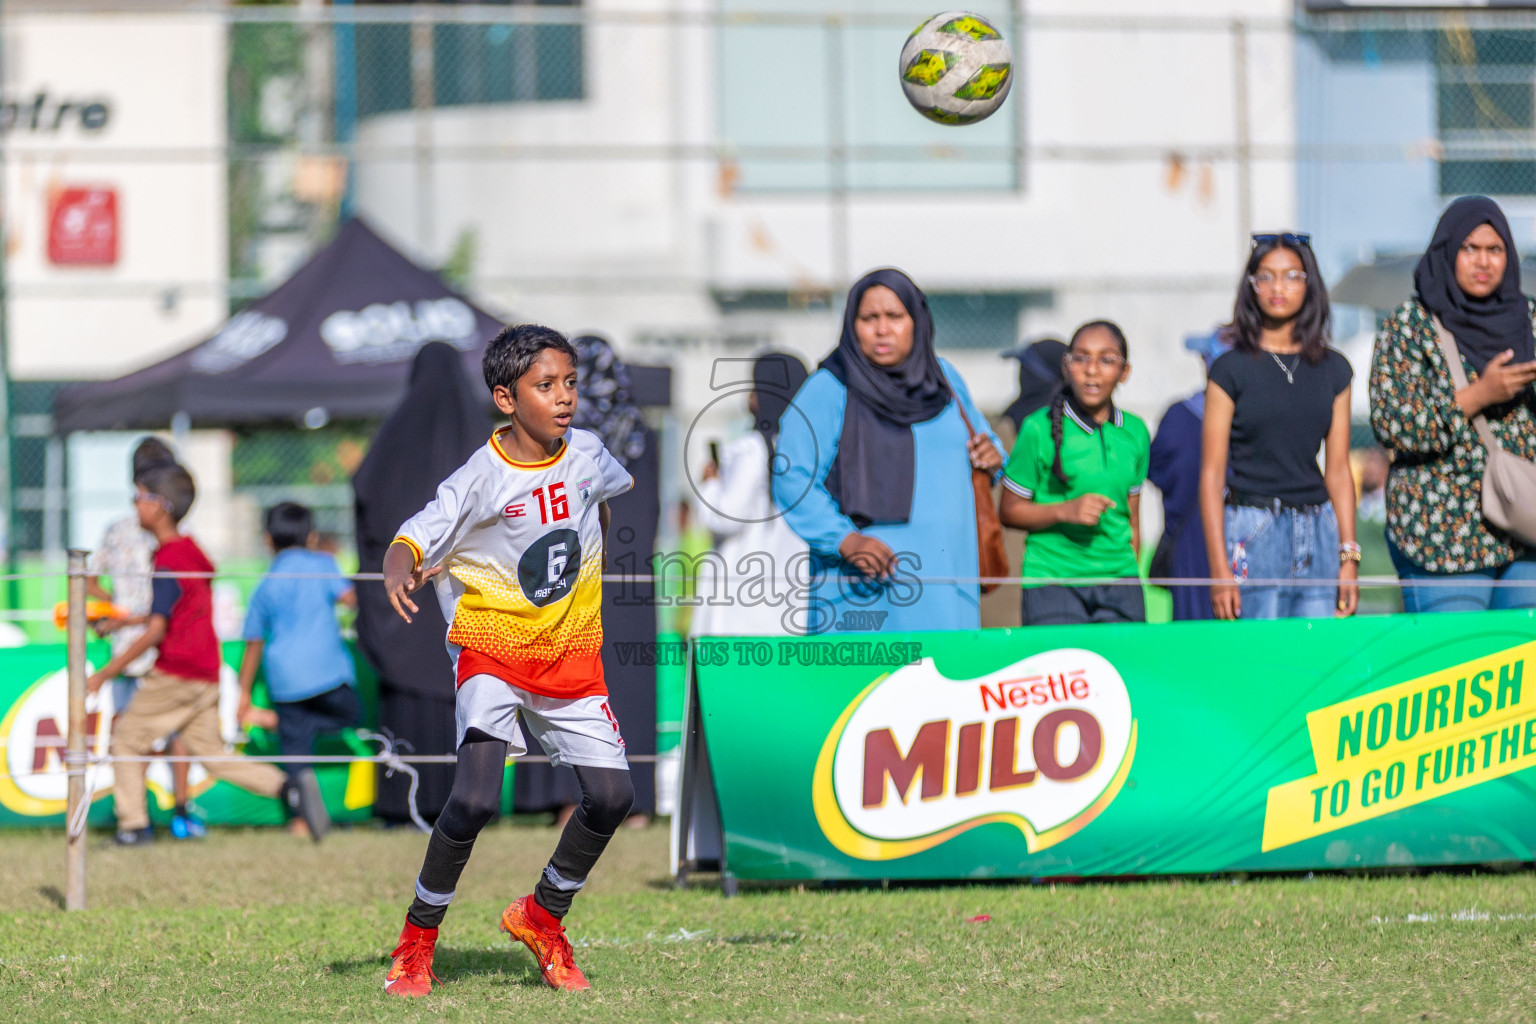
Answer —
1269 513
604 407
736 504
290 627
1074 482
877 473
1041 375
440 422
1175 471
1372 466
1469 278
126 556
180 694
694 543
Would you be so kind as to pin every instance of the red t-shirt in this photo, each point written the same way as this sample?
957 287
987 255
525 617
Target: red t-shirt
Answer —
190 648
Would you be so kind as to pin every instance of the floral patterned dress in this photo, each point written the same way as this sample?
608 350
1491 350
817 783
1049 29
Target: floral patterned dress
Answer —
1434 492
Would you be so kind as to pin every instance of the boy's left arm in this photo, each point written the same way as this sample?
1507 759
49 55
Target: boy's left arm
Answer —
250 664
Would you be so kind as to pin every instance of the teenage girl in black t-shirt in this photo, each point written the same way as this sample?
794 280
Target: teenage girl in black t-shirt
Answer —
1279 395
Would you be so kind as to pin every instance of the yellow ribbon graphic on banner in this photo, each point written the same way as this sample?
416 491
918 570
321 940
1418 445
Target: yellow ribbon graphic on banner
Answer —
1408 743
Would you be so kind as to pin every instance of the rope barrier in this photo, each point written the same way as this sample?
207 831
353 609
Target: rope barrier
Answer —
395 763
903 578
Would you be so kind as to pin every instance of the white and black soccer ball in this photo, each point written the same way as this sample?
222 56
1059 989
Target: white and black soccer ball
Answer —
956 68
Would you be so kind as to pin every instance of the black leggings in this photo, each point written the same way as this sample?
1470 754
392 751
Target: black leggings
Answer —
606 793
606 796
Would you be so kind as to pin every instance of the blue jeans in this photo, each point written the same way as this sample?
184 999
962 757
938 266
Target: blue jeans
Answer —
1472 592
1284 544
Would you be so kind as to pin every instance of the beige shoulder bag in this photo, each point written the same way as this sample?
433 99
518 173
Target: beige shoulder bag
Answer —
1509 482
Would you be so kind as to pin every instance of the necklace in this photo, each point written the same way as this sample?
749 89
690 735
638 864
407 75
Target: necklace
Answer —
1289 371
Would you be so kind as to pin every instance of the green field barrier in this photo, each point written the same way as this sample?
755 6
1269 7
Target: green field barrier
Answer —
34 697
1114 750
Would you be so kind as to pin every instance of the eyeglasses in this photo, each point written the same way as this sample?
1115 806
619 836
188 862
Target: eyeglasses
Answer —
1285 236
1289 279
1082 361
152 499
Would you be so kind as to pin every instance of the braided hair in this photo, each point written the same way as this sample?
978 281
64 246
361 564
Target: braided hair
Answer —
1063 394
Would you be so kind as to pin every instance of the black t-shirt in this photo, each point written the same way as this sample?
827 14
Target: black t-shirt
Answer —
1278 426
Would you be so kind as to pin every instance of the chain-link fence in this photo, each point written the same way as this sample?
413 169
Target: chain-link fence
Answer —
707 180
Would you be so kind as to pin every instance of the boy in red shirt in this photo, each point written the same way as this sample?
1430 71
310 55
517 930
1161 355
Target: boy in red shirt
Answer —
181 693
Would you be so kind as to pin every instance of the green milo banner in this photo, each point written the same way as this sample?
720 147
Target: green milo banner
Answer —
34 702
1119 750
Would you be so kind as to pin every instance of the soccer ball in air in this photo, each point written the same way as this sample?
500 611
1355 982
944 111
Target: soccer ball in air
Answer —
956 68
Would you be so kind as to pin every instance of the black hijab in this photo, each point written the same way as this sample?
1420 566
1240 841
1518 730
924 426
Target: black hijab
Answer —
873 474
437 426
1040 375
1482 327
776 377
602 383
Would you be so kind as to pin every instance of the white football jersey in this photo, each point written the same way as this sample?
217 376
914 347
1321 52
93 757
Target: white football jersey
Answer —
521 548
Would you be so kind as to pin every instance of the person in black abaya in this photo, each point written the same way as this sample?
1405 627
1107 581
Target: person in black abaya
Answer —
629 609
439 424
1040 376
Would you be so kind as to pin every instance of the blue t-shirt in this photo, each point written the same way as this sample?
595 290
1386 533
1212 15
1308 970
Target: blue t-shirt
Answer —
304 654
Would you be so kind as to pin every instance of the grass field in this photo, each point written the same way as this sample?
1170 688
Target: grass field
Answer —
251 926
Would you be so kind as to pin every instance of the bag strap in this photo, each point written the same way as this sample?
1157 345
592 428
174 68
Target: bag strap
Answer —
1459 378
963 417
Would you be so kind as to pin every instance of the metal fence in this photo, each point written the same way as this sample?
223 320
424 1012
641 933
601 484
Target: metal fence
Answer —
747 103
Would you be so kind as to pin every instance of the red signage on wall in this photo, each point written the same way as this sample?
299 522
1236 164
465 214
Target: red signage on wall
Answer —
82 227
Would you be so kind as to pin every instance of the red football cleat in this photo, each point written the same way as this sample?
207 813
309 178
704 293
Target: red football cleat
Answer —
411 972
534 927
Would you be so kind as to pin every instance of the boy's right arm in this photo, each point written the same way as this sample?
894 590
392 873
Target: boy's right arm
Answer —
426 539
154 632
403 576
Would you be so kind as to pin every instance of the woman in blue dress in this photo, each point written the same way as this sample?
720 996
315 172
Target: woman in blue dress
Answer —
874 472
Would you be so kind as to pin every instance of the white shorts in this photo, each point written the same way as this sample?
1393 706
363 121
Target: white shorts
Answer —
577 730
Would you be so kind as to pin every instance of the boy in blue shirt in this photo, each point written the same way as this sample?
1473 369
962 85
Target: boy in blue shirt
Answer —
291 626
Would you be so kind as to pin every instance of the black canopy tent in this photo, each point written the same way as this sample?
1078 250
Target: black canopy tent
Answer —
339 335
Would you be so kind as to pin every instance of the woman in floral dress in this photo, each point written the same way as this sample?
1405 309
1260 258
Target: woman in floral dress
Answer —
1470 279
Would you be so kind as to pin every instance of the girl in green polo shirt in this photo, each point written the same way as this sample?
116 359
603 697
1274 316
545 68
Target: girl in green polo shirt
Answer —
1074 482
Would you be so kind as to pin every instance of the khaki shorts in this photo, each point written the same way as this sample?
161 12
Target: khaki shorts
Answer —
577 730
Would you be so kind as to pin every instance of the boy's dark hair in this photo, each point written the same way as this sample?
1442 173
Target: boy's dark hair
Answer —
289 524
151 452
173 484
513 350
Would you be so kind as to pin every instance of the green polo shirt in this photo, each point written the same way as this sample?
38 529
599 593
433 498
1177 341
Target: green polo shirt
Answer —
1110 460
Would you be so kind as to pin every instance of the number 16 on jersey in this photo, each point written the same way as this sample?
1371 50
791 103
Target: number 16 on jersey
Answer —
558 507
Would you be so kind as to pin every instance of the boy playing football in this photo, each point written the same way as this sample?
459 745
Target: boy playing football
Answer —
520 529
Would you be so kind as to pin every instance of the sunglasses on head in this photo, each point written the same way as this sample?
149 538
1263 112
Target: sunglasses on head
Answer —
1287 237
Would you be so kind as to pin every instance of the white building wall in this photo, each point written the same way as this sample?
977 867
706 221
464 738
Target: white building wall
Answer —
1129 206
161 75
